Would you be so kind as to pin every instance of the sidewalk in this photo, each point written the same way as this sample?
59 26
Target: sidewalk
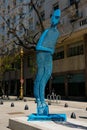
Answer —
7 112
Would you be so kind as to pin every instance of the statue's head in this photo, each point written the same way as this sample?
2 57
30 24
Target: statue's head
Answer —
55 18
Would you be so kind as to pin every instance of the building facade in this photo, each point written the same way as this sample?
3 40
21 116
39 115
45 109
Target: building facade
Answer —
70 59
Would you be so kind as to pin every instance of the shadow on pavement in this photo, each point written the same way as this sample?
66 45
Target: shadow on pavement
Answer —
83 117
71 125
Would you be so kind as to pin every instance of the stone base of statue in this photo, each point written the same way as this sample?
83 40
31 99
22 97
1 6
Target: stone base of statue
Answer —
49 117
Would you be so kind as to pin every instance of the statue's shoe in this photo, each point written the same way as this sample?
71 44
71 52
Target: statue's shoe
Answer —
42 109
45 109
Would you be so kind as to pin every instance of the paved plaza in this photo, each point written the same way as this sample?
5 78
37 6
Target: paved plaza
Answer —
18 111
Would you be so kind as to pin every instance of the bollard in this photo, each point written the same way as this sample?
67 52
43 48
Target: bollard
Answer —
12 104
1 102
25 100
26 107
66 105
49 102
73 115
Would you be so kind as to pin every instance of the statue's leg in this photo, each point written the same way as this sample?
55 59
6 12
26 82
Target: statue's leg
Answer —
45 78
39 76
37 84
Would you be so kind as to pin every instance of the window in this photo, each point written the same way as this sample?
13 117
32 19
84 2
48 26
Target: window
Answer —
58 85
14 19
3 26
21 10
8 8
77 50
83 22
14 3
59 54
8 21
76 89
4 2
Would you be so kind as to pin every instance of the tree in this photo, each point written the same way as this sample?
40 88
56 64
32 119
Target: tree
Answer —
28 38
8 63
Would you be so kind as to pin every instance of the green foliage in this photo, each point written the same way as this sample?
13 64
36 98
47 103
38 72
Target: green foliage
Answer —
8 63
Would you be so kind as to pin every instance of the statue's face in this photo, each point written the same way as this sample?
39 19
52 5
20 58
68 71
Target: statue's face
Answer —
55 18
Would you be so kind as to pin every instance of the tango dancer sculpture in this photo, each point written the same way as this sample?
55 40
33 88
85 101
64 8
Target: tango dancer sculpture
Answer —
45 49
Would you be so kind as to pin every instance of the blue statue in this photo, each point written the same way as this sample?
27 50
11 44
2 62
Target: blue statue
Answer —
45 49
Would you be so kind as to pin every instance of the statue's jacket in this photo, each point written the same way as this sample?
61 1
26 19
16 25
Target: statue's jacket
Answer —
48 40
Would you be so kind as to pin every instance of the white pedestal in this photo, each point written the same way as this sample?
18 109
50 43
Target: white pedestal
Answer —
21 123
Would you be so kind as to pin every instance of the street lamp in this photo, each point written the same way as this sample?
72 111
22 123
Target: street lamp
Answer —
21 74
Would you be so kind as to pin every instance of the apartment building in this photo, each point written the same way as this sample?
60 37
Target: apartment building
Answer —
70 59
